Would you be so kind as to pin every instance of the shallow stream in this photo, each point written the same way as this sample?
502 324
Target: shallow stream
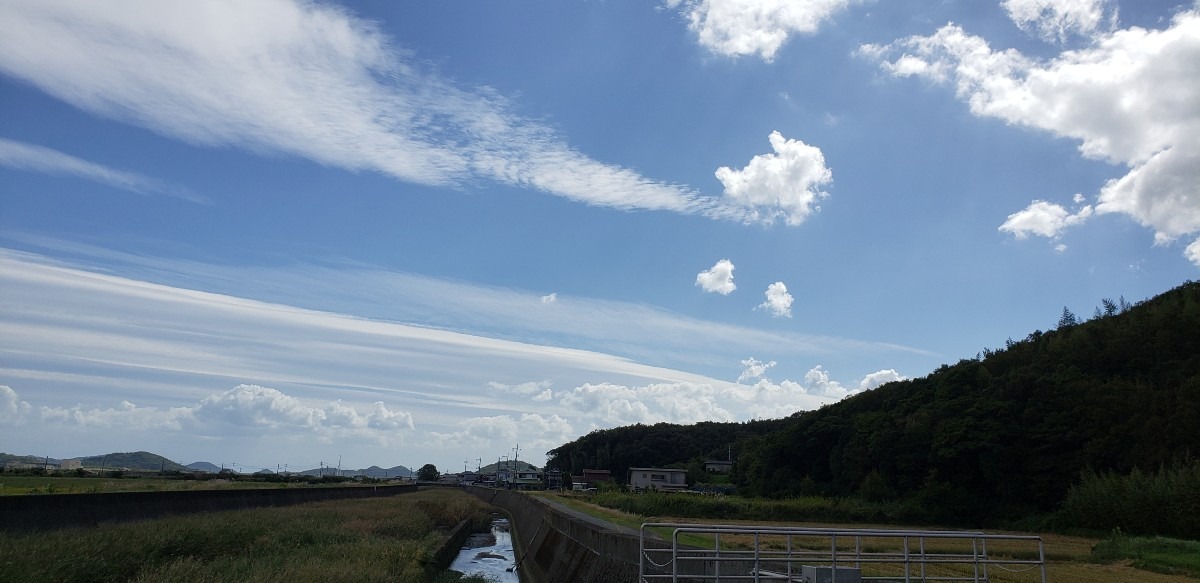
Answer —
489 554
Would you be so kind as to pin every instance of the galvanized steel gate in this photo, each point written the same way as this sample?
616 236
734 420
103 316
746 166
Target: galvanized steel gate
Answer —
705 552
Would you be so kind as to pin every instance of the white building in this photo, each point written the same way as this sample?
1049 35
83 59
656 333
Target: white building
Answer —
660 479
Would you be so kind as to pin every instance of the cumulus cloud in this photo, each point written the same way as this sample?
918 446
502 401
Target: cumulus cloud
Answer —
126 415
719 279
747 27
244 406
1128 98
24 156
1055 20
879 378
778 302
12 408
1193 252
615 404
1043 218
754 368
534 431
784 185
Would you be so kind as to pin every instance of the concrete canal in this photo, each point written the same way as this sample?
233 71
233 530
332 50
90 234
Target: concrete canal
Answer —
489 554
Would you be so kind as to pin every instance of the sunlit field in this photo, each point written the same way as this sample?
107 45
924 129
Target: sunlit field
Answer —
378 539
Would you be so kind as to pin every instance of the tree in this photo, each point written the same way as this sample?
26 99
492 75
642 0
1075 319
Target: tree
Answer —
1068 319
428 473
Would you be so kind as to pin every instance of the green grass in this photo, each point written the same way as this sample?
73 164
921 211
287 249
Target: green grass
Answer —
21 485
1158 554
375 539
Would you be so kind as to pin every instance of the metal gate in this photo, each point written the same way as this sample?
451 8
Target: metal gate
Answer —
706 552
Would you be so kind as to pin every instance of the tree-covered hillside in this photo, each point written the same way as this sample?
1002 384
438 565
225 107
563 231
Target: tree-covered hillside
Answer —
658 445
135 460
997 437
1006 434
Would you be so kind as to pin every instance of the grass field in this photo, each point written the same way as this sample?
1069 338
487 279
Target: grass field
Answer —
19 485
1070 559
369 540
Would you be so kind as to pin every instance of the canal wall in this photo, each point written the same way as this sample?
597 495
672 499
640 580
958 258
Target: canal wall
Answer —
53 511
553 545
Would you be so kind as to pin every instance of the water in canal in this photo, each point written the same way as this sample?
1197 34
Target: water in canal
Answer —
489 554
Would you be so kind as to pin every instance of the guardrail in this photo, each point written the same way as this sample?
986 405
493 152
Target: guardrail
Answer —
706 552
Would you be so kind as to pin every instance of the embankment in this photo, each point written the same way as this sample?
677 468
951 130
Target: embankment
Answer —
52 511
554 545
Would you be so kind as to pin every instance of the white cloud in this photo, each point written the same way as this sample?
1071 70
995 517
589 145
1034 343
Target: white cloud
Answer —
308 380
1193 252
12 408
747 27
1043 218
550 298
1128 98
625 405
817 382
719 279
878 378
304 79
784 185
24 156
779 301
1055 20
534 432
538 391
754 368
126 415
243 407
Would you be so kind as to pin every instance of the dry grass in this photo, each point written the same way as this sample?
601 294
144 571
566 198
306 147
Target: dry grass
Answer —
1068 557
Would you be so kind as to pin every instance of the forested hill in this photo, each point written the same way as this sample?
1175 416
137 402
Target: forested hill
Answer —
659 445
1000 436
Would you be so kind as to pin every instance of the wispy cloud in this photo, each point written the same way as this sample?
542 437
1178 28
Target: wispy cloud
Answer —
23 156
309 80
632 330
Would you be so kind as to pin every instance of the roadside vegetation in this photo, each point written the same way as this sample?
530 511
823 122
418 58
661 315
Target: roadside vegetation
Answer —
76 482
378 539
1071 558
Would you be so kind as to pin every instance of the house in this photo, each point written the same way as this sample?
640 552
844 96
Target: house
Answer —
718 466
663 480
593 477
526 480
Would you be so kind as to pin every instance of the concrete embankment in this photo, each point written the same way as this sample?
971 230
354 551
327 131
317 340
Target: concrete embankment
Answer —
555 545
52 511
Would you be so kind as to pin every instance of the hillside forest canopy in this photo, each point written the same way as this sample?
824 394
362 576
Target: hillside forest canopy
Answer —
993 439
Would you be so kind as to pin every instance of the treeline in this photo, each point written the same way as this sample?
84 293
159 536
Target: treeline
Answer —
662 445
987 440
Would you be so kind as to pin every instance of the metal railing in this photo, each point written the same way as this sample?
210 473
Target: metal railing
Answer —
707 552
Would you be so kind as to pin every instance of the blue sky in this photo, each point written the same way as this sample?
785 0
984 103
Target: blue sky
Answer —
401 233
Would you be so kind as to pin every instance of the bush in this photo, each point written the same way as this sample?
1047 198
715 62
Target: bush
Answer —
1161 503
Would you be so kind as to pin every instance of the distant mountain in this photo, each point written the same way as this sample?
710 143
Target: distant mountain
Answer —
371 472
203 467
27 459
137 460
